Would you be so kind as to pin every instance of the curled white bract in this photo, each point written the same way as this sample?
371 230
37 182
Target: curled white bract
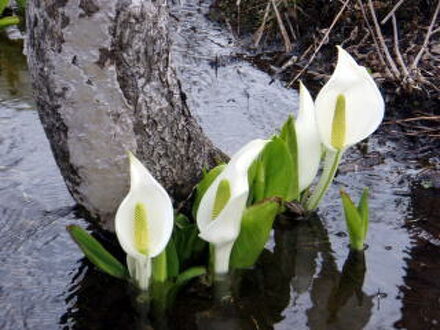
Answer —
147 195
222 229
364 105
308 140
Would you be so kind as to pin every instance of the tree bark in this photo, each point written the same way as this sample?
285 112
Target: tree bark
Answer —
104 85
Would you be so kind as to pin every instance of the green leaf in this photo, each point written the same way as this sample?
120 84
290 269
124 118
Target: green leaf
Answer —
96 253
288 135
9 20
255 230
159 271
186 239
189 274
363 212
275 169
3 5
257 186
354 222
172 259
204 184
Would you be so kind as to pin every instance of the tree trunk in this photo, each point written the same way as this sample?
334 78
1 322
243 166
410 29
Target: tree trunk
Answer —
104 85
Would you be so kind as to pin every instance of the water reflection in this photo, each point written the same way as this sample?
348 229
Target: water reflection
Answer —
301 264
420 295
14 80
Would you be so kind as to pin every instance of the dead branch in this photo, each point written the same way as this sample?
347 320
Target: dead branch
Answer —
323 40
259 34
381 39
397 48
392 11
286 39
427 37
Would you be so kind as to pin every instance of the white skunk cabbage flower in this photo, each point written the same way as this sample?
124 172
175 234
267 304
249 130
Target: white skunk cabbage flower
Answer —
349 107
308 140
221 207
143 222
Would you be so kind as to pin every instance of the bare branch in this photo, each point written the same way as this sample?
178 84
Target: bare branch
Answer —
392 11
259 34
426 41
335 20
397 48
286 39
393 66
376 43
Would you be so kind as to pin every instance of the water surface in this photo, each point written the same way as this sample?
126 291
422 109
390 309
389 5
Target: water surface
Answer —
305 279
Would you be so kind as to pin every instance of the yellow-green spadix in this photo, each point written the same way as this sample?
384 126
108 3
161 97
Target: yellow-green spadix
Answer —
221 207
349 107
143 222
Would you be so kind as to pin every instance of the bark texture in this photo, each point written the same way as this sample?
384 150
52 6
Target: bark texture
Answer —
104 85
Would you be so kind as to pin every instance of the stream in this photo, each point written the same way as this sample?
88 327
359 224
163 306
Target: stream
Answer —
305 279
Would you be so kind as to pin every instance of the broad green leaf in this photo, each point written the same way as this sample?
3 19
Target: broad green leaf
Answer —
257 187
354 222
363 212
288 134
172 259
252 172
3 4
275 170
9 20
255 230
96 253
338 123
204 184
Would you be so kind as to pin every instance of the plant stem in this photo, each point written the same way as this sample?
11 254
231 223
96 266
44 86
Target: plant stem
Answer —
160 268
331 163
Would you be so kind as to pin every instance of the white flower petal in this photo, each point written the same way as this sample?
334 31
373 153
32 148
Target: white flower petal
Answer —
364 109
225 228
147 191
308 140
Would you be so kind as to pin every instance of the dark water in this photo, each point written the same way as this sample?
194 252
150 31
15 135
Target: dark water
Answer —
306 278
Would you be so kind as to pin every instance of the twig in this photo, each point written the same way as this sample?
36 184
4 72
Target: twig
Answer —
392 11
426 41
397 121
287 43
259 34
376 43
397 48
335 20
393 66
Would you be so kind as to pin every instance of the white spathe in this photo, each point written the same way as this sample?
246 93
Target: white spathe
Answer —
364 105
222 231
146 191
308 140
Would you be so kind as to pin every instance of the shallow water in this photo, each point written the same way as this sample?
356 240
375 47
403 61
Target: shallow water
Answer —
304 278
